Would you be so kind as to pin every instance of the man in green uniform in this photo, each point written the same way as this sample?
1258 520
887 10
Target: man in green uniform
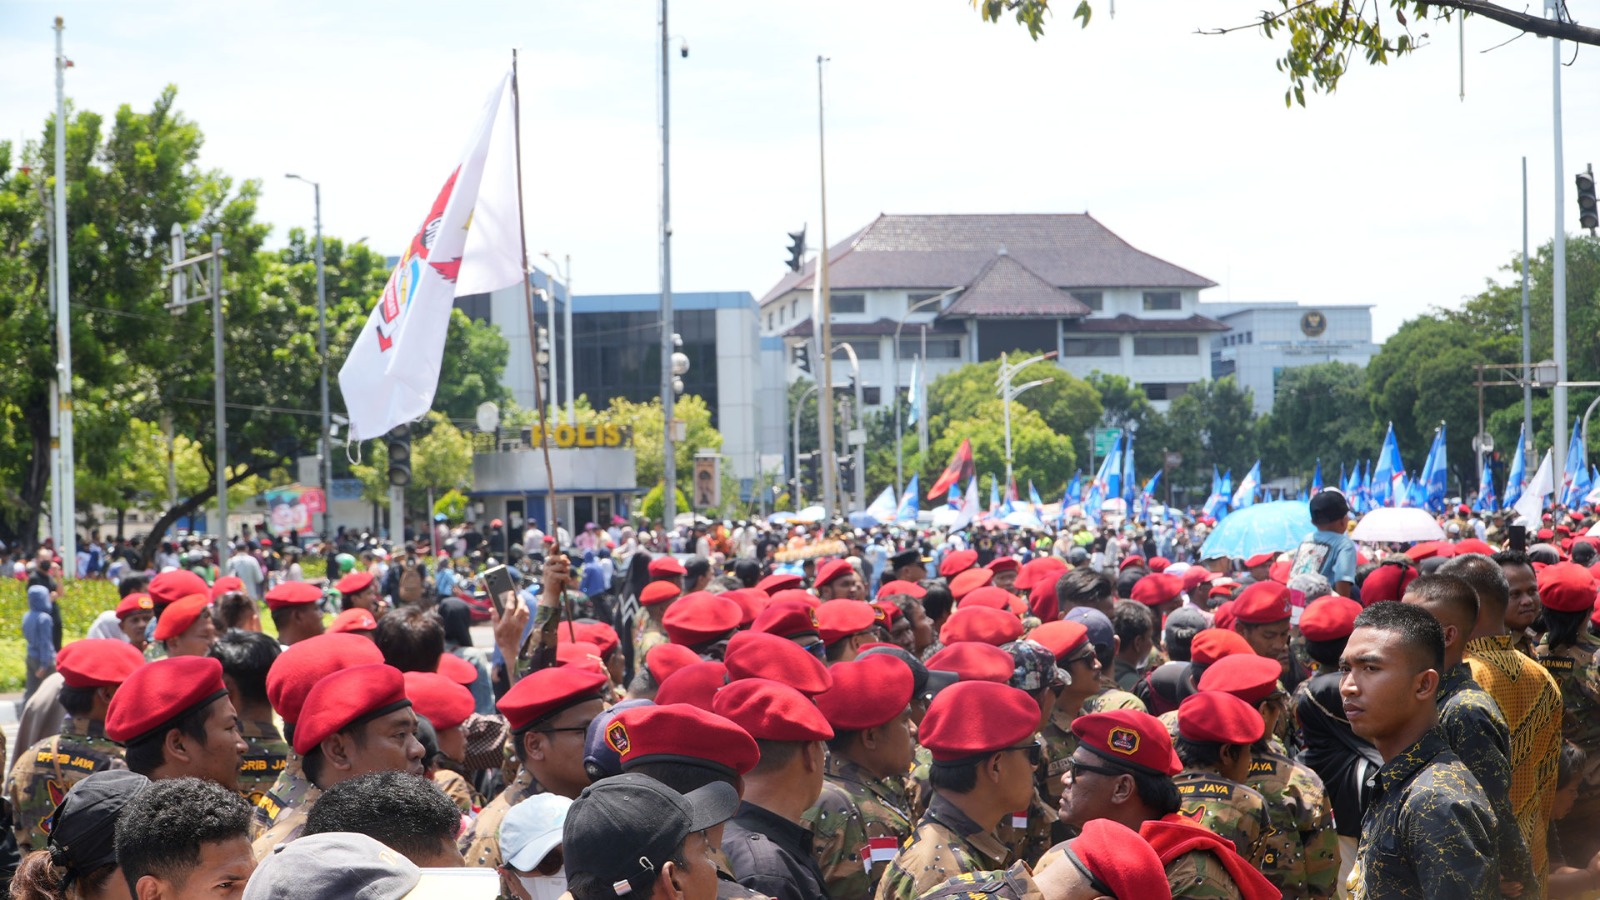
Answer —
862 817
1215 732
246 658
92 671
1029 831
654 600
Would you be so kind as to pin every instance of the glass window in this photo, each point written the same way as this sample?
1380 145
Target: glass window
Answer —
938 347
1160 391
1095 300
1162 300
1166 346
1095 346
871 396
915 297
846 304
866 348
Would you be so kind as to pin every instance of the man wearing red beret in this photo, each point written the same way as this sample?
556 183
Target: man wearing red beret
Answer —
983 742
1005 570
296 608
836 579
1107 859
862 816
246 658
655 598
175 719
844 625
360 590
185 627
1215 731
1571 653
767 843
92 671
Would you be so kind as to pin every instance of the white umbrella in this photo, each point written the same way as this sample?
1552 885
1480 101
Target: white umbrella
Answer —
1397 524
812 514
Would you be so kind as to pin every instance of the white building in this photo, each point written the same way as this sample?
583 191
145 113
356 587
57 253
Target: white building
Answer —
1264 339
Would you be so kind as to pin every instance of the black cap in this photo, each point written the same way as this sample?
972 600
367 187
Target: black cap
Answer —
1328 506
642 815
905 558
925 682
83 828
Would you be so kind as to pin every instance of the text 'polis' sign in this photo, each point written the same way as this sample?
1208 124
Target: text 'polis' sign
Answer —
569 436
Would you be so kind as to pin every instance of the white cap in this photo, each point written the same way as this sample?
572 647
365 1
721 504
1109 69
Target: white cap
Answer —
531 829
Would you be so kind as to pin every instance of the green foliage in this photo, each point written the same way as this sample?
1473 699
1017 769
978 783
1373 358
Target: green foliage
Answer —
453 506
648 424
1067 405
1319 412
1211 424
81 602
650 507
1038 452
441 460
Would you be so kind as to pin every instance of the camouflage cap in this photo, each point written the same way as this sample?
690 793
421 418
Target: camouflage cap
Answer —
1035 666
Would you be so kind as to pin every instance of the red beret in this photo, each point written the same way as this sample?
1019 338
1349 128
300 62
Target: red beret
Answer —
457 669
135 603
1121 860
1567 587
1034 570
353 619
956 562
1249 677
968 581
1159 563
581 654
1223 617
885 613
770 711
1003 564
354 583
644 734
225 584
978 623
664 659
910 588
973 718
1473 545
1135 560
666 564
1544 534
1260 559
346 696
97 662
795 595
1213 717
1262 602
658 592
755 654
1387 582
445 703
168 587
866 693
694 685
602 636
838 619
1042 600
786 619
293 593
751 604
1061 637
1280 571
1194 576
974 661
700 617
1157 588
1212 644
543 693
779 581
306 662
1329 618
179 615
1223 587
994 598
1430 549
831 570
155 694
1131 737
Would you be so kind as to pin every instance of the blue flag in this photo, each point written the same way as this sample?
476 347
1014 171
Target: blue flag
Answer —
1316 478
1486 499
1388 474
1130 483
908 502
1221 490
1245 495
1517 477
1074 489
1434 483
1575 477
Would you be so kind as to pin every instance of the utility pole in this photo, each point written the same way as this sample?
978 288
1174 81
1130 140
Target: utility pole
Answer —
822 314
1527 329
669 470
66 490
324 447
183 271
1558 312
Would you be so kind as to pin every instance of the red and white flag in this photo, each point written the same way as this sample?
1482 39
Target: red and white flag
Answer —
392 371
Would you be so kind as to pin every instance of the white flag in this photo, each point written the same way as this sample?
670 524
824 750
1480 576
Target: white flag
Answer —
969 508
1542 483
392 371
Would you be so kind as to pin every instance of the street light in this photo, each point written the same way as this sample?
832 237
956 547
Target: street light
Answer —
899 438
856 435
800 404
325 468
1009 392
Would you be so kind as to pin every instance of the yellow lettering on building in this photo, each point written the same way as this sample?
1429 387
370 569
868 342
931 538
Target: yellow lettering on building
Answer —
568 436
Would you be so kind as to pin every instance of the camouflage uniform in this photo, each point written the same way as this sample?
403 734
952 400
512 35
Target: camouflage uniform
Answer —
46 771
1228 808
1026 833
480 844
289 824
1060 742
458 789
1015 883
265 759
1196 875
650 633
1577 671
946 843
1302 857
855 811
285 794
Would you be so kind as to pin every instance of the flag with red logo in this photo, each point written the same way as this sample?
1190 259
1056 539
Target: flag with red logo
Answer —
960 467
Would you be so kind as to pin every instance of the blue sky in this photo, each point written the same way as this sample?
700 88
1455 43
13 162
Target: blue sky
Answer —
1392 192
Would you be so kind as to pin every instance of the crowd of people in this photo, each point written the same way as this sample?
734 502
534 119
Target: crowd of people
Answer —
809 710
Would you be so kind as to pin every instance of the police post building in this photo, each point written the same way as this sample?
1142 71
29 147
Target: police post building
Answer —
593 467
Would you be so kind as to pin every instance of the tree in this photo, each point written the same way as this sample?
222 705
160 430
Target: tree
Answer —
1067 405
1213 423
650 506
1039 454
1319 412
1324 36
1126 407
441 461
647 423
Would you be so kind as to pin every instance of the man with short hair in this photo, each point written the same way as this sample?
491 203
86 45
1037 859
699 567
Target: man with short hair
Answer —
1328 551
404 812
247 657
1215 734
185 627
1523 605
185 838
1135 628
836 580
175 719
1083 586
296 610
1428 830
667 836
411 638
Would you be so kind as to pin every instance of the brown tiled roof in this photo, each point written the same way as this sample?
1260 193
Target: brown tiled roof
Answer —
1128 324
883 327
1005 287
937 252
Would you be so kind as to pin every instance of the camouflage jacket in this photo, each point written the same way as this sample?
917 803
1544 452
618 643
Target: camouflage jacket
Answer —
480 844
1015 883
285 794
1476 732
1196 875
1228 808
945 844
858 824
649 632
290 823
1060 742
1577 672
1302 858
46 771
459 790
1025 833
266 757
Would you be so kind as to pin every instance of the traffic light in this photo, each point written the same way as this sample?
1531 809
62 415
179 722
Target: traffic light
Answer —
797 248
808 471
1588 217
398 441
847 473
802 356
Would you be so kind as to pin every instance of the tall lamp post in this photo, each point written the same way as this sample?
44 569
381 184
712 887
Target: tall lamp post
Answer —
1009 392
855 436
894 374
325 466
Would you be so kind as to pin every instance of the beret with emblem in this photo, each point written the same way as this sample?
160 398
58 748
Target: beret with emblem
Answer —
1129 737
293 593
978 623
969 580
1567 587
97 662
1213 717
975 718
546 692
134 603
1329 618
299 668
695 684
1249 677
1261 603
957 561
346 697
838 619
973 661
658 592
753 654
445 703
866 693
680 733
169 587
666 564
179 615
769 711
700 617
156 693
353 620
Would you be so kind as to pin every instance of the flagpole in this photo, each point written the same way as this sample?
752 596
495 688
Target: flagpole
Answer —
527 293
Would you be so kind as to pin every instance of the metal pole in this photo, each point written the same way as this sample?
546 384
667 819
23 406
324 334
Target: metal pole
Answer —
1527 329
55 399
325 445
922 391
799 490
669 494
1005 401
823 315
860 451
894 397
550 325
67 491
566 359
1558 310
220 394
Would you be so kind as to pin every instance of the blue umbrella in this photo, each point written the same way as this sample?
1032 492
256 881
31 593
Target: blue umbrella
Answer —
1262 528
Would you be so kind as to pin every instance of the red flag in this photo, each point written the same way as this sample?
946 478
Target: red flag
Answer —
959 469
